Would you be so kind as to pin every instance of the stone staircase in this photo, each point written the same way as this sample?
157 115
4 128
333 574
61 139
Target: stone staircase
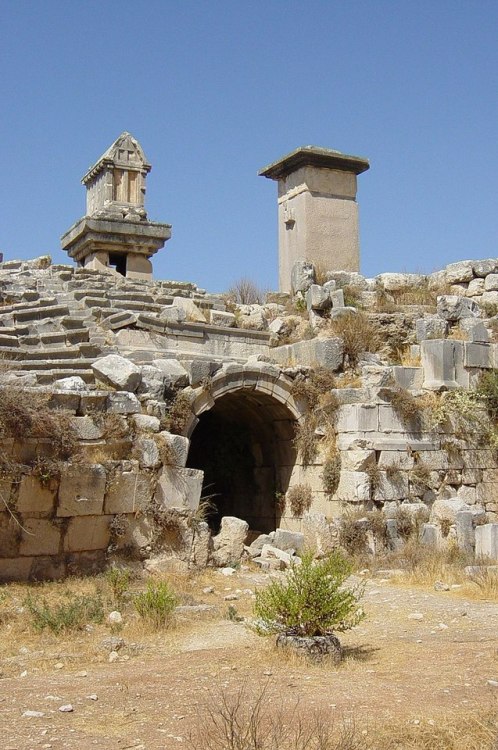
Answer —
56 320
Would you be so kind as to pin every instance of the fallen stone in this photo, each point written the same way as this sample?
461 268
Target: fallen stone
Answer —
228 545
117 372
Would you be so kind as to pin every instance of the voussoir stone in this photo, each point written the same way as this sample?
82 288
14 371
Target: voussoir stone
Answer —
117 372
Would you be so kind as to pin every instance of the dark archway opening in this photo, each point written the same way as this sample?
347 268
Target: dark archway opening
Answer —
118 262
244 445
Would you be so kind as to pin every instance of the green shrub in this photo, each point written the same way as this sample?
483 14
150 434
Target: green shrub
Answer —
311 600
155 605
118 581
487 388
77 611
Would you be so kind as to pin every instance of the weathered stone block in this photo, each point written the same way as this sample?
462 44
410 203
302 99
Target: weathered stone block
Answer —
317 298
87 533
439 362
81 490
358 418
175 374
87 429
357 460
477 355
389 421
179 488
460 272
429 535
410 378
465 533
146 451
484 267
398 459
123 403
146 423
191 310
475 329
228 545
10 533
452 307
487 541
128 492
118 372
392 486
302 276
40 537
152 382
223 319
337 298
491 282
175 449
34 497
15 569
432 327
318 534
354 486
285 540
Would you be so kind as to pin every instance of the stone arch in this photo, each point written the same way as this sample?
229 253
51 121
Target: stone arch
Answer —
242 436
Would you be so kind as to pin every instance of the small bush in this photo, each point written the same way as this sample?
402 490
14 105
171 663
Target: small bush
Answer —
331 474
352 535
244 291
315 387
404 523
407 407
374 477
74 613
156 604
299 499
378 526
359 335
119 581
311 600
179 413
306 440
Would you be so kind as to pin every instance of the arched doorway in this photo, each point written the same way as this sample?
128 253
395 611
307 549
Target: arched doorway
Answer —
244 445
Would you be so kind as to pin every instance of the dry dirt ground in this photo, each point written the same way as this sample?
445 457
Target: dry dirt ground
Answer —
419 656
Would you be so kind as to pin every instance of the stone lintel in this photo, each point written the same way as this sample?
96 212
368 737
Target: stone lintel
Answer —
90 235
314 156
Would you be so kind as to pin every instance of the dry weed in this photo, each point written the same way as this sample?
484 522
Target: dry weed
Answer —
359 335
299 499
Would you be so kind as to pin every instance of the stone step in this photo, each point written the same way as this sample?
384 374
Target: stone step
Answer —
55 311
75 322
118 304
75 336
83 293
47 364
131 296
8 341
28 306
62 353
96 301
118 320
14 331
49 376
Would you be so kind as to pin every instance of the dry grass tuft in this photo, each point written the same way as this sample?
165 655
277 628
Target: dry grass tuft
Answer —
245 291
359 335
179 413
299 499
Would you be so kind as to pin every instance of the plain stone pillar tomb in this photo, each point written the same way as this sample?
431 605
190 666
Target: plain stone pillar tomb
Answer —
115 233
317 209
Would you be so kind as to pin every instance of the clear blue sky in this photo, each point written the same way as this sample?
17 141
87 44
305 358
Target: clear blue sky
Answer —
214 90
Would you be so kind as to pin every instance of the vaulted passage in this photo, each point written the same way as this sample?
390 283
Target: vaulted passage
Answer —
244 445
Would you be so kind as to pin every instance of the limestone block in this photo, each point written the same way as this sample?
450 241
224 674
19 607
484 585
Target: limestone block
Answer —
47 568
491 282
391 487
445 509
348 278
478 459
389 421
350 395
123 403
487 493
286 540
475 329
179 488
487 541
318 534
89 562
175 450
465 534
34 497
128 492
74 384
302 276
201 548
431 327
81 490
40 537
358 418
87 533
410 378
453 307
330 286
460 272
429 535
326 352
394 282
176 375
475 288
354 486
489 298
87 429
475 476
146 423
200 369
117 372
467 494
191 310
477 355
317 298
152 382
173 314
337 298
228 545
10 533
400 459
439 363
269 551
357 460
68 400
223 319
146 451
483 267
375 376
